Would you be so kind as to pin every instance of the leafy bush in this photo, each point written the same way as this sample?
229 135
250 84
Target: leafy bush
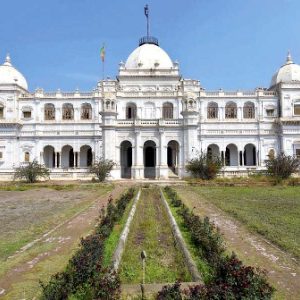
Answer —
85 274
101 168
233 280
230 278
205 235
204 166
170 292
282 166
31 172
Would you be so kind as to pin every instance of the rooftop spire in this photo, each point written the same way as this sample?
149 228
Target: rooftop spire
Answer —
7 60
148 39
146 12
289 58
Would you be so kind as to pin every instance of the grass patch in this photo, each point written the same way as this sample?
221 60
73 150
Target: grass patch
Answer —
273 212
25 216
112 241
202 266
151 231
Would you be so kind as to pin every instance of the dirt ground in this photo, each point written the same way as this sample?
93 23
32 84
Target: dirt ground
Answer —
283 270
44 256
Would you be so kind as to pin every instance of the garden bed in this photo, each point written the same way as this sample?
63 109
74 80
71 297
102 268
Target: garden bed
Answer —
151 231
229 277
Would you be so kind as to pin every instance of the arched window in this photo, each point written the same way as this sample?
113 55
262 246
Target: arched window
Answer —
49 110
212 110
167 110
68 112
130 111
26 156
230 110
1 111
249 110
297 109
86 111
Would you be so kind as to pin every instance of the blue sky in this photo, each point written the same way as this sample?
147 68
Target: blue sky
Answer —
229 44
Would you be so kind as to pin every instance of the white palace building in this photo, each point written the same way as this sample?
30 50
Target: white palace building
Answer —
149 120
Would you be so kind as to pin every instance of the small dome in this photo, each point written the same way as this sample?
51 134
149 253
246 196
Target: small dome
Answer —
10 75
289 72
149 56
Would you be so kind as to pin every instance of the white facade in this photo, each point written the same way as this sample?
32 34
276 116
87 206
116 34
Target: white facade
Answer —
149 120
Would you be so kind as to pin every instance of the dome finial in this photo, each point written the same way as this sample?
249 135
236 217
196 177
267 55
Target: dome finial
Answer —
289 58
7 60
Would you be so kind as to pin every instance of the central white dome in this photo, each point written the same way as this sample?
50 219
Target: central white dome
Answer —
148 56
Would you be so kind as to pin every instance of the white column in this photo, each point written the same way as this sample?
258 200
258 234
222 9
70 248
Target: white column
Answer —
137 159
163 166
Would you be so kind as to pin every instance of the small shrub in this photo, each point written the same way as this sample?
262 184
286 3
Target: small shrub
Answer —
282 166
170 292
204 166
107 285
101 168
31 172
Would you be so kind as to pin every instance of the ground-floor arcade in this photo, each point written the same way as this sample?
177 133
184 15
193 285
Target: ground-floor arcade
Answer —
150 160
67 157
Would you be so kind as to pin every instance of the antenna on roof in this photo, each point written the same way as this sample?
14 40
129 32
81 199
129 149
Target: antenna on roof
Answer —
146 11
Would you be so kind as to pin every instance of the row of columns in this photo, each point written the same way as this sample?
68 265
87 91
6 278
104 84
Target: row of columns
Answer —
241 158
57 157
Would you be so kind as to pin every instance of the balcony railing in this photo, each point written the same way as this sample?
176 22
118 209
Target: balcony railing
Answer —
148 40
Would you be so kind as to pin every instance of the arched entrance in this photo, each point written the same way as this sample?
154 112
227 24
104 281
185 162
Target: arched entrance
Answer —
126 159
231 155
249 155
149 159
67 157
173 156
49 157
86 156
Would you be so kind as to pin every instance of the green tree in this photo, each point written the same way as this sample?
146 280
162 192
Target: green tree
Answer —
282 166
31 172
101 168
205 166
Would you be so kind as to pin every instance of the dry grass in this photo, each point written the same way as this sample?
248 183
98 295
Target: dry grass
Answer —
25 215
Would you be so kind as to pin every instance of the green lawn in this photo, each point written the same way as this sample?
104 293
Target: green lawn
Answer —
273 212
26 213
151 231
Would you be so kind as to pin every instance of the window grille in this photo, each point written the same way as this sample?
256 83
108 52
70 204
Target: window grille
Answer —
231 111
212 111
68 112
249 111
168 111
49 112
86 112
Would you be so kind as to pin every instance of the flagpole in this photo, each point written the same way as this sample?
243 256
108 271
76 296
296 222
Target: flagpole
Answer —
103 70
102 54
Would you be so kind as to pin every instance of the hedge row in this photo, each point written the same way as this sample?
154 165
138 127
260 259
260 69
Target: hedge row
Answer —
231 279
85 277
